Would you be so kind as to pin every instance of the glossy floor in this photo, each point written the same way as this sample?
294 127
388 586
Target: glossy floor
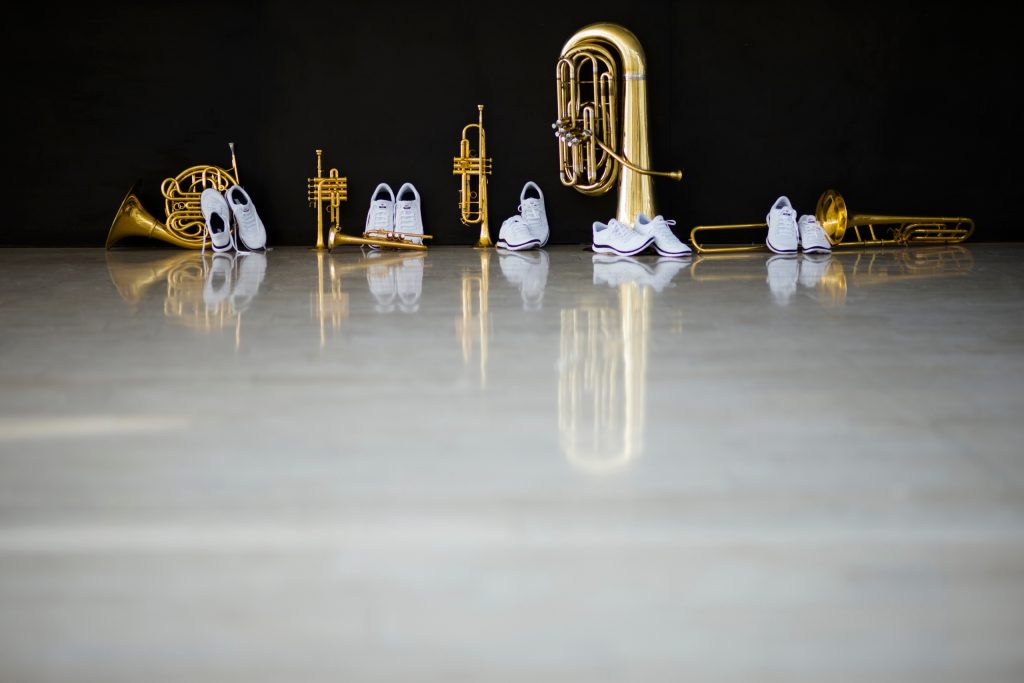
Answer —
473 466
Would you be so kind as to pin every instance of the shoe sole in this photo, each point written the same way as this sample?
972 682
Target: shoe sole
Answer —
608 249
775 250
676 254
818 250
502 244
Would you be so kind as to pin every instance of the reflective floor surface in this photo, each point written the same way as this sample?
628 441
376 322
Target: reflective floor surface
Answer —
475 466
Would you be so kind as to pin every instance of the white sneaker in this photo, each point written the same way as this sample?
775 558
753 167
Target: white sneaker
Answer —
529 272
407 213
252 268
783 272
218 220
218 282
251 233
613 270
616 238
381 215
533 212
665 242
783 237
813 239
515 235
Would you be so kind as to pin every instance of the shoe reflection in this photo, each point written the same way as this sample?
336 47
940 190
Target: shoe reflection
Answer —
658 274
396 283
527 270
205 292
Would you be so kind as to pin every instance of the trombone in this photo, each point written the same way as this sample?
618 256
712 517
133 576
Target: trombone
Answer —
332 190
858 230
473 203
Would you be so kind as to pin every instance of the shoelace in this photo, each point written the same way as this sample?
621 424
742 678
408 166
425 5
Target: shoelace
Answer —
405 218
379 216
530 208
517 229
788 223
814 229
661 225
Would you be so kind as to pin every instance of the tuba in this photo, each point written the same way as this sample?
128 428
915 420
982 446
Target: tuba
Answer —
473 203
858 230
590 121
185 226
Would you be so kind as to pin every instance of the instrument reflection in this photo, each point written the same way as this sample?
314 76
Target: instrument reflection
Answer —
394 279
602 369
204 292
828 278
474 326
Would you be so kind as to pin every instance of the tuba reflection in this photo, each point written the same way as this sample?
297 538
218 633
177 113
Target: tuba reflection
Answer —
602 381
474 326
185 226
857 230
593 118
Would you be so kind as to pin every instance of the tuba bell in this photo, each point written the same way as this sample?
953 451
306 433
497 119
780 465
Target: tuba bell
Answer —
590 124
185 226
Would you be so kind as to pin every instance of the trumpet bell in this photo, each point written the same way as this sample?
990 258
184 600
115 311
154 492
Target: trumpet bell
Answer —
132 220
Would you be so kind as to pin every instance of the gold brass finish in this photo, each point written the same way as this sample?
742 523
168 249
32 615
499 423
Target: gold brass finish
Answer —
332 190
835 220
469 165
185 226
589 122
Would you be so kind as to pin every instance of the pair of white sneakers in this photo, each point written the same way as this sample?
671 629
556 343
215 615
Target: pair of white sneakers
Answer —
219 209
391 213
529 228
619 239
787 235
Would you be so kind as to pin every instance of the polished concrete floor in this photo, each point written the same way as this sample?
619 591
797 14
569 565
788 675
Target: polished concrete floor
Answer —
474 466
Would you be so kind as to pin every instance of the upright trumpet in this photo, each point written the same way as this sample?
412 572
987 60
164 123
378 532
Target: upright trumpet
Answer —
185 226
332 190
858 230
470 165
588 126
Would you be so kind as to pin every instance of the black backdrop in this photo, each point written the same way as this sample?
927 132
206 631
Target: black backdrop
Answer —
902 107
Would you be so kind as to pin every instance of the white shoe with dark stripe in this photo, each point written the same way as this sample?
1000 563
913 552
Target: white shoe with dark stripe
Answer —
616 238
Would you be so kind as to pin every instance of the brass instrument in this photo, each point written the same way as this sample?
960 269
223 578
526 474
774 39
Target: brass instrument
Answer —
589 121
333 190
879 230
470 164
185 226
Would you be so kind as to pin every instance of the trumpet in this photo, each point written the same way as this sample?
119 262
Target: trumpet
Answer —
858 230
473 203
185 226
588 124
332 190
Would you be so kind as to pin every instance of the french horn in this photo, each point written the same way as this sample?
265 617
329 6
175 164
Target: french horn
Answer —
602 137
185 226
857 230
